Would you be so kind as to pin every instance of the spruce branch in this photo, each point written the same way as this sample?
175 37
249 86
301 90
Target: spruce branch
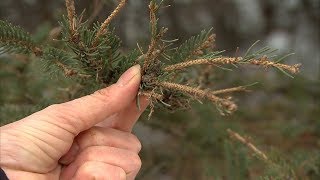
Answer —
91 55
267 63
156 36
104 25
263 61
214 61
227 104
230 90
153 53
54 57
71 16
94 53
14 39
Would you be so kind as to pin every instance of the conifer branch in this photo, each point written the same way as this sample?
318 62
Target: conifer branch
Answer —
71 16
266 63
229 90
14 39
263 61
54 57
229 105
155 37
95 53
153 53
214 61
104 25
246 142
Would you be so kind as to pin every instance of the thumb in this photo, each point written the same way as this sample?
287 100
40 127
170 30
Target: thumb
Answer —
83 113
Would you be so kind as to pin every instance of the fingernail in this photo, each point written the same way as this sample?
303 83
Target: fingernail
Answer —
128 75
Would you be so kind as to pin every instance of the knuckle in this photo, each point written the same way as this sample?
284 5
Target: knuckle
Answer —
136 161
98 170
122 174
135 142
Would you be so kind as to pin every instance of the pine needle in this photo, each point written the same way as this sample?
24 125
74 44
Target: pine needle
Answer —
284 57
251 47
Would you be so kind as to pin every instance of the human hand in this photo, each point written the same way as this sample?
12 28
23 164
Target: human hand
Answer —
87 138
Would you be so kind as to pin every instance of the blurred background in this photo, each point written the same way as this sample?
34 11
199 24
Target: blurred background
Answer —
281 115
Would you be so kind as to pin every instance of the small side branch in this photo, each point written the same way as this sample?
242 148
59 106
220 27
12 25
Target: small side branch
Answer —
104 25
229 90
71 10
155 36
25 44
246 142
266 63
229 105
220 60
234 60
153 52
